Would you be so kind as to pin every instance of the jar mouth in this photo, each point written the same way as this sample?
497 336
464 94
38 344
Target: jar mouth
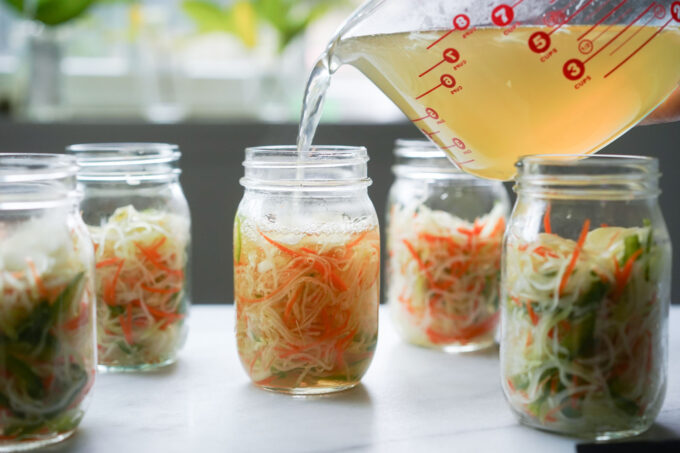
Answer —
284 168
422 159
37 181
29 167
602 175
118 161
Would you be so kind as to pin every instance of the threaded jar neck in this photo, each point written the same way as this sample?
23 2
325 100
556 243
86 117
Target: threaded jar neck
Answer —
422 159
322 168
126 161
588 177
35 181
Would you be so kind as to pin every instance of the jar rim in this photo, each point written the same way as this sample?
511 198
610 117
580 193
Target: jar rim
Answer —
288 155
607 176
28 167
417 149
423 159
323 167
124 153
586 160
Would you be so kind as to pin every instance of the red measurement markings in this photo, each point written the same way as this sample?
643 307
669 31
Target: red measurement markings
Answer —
517 3
460 22
502 15
675 11
620 33
457 143
632 36
590 16
429 134
607 16
586 46
553 18
539 42
429 113
569 19
605 30
446 81
659 11
639 48
574 69
449 56
461 164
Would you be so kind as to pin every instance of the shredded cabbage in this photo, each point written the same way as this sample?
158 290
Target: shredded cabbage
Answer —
443 276
141 287
306 308
583 347
47 355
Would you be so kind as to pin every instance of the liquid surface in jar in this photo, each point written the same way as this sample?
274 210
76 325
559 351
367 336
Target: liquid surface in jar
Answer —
306 312
583 346
443 277
488 96
141 258
46 331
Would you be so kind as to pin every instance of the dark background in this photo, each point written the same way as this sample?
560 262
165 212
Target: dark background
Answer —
211 162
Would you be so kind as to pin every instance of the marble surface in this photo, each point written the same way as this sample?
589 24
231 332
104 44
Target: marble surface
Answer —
411 399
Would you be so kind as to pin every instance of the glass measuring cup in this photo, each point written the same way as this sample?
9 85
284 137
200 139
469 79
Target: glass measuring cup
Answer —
489 82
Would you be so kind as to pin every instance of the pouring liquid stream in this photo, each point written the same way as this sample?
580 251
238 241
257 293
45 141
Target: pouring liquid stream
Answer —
489 95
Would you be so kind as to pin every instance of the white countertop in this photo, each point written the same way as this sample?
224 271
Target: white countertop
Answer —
411 400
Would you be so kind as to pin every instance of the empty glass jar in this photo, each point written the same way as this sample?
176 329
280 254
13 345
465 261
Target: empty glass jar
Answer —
139 221
585 296
306 269
444 243
47 343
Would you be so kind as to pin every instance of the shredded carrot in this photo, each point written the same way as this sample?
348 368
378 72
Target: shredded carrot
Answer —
80 320
500 227
421 265
291 303
532 314
281 247
38 281
160 290
126 324
546 220
152 256
466 334
357 240
109 295
107 262
164 314
574 257
622 275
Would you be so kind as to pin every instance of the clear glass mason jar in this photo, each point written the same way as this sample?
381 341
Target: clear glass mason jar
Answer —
139 221
47 331
306 269
585 296
444 244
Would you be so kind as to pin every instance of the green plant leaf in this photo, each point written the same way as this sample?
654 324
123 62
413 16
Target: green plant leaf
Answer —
239 19
290 18
51 12
207 16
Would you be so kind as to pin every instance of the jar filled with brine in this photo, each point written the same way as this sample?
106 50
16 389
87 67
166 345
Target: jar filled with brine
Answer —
444 237
139 221
306 269
585 296
47 336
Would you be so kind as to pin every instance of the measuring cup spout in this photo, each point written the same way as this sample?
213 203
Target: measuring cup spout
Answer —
489 82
